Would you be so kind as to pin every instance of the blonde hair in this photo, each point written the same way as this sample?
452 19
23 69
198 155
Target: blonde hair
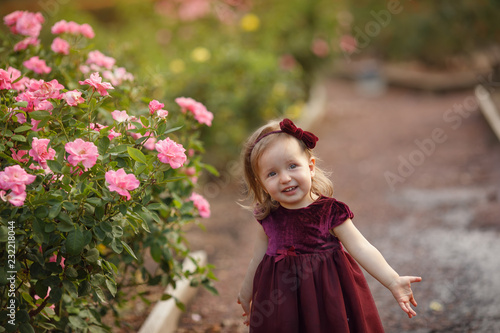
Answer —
261 202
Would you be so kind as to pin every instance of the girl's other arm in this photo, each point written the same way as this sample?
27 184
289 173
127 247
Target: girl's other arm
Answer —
245 295
375 264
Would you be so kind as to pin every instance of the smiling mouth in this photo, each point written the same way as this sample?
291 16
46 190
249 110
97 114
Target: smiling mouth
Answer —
288 189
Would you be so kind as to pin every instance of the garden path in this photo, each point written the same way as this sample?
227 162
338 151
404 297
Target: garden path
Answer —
437 216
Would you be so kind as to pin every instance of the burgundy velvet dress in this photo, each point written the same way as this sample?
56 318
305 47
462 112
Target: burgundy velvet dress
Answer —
306 282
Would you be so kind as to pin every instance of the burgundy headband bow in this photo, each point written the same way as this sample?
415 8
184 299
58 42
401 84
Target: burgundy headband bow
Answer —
288 127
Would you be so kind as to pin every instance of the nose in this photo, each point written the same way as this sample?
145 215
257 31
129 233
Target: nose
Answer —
285 178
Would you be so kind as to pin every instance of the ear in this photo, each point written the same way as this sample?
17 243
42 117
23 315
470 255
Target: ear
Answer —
312 166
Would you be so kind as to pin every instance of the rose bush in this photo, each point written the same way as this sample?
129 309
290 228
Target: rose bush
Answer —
93 176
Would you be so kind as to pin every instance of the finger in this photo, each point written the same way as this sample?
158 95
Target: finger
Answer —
413 313
413 301
415 279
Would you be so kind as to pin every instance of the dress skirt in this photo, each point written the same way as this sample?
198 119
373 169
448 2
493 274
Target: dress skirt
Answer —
320 292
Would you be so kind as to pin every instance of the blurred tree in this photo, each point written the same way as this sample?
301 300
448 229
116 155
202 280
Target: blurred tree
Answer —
431 31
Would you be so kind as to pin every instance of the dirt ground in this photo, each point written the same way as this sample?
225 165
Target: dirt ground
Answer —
421 173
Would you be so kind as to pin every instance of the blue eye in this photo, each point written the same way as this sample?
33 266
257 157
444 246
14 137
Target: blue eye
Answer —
293 166
270 174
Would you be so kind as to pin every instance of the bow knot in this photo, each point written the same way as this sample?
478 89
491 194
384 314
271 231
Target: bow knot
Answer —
285 252
309 139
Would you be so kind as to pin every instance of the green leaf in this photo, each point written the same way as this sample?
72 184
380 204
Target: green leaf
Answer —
54 166
155 206
97 280
161 128
117 231
210 169
71 272
174 179
111 287
95 201
63 225
137 155
20 138
70 288
172 130
92 255
70 206
118 149
75 242
26 328
129 250
84 288
101 296
155 251
39 115
78 322
103 145
22 104
23 128
115 246
144 121
180 305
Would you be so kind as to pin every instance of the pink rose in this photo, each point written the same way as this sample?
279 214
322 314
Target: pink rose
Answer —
12 18
200 112
120 116
118 75
96 127
154 105
150 143
43 105
40 151
36 297
45 90
73 97
201 204
99 59
37 65
186 103
112 134
60 46
21 118
73 28
95 82
320 47
348 43
82 151
15 178
18 156
162 113
171 152
23 45
59 27
16 199
203 116
87 31
24 23
121 182
54 259
5 80
19 85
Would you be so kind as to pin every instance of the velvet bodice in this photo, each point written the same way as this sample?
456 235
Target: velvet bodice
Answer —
306 229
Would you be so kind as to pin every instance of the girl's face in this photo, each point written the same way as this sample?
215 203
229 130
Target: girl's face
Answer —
286 173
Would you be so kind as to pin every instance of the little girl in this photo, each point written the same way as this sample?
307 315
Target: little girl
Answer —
300 279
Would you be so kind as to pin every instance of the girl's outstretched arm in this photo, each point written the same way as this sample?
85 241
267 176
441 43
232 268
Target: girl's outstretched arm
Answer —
375 264
245 295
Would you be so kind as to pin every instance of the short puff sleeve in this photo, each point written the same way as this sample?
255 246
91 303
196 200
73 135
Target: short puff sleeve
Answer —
339 213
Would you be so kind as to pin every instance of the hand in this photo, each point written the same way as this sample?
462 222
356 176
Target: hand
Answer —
245 304
401 290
